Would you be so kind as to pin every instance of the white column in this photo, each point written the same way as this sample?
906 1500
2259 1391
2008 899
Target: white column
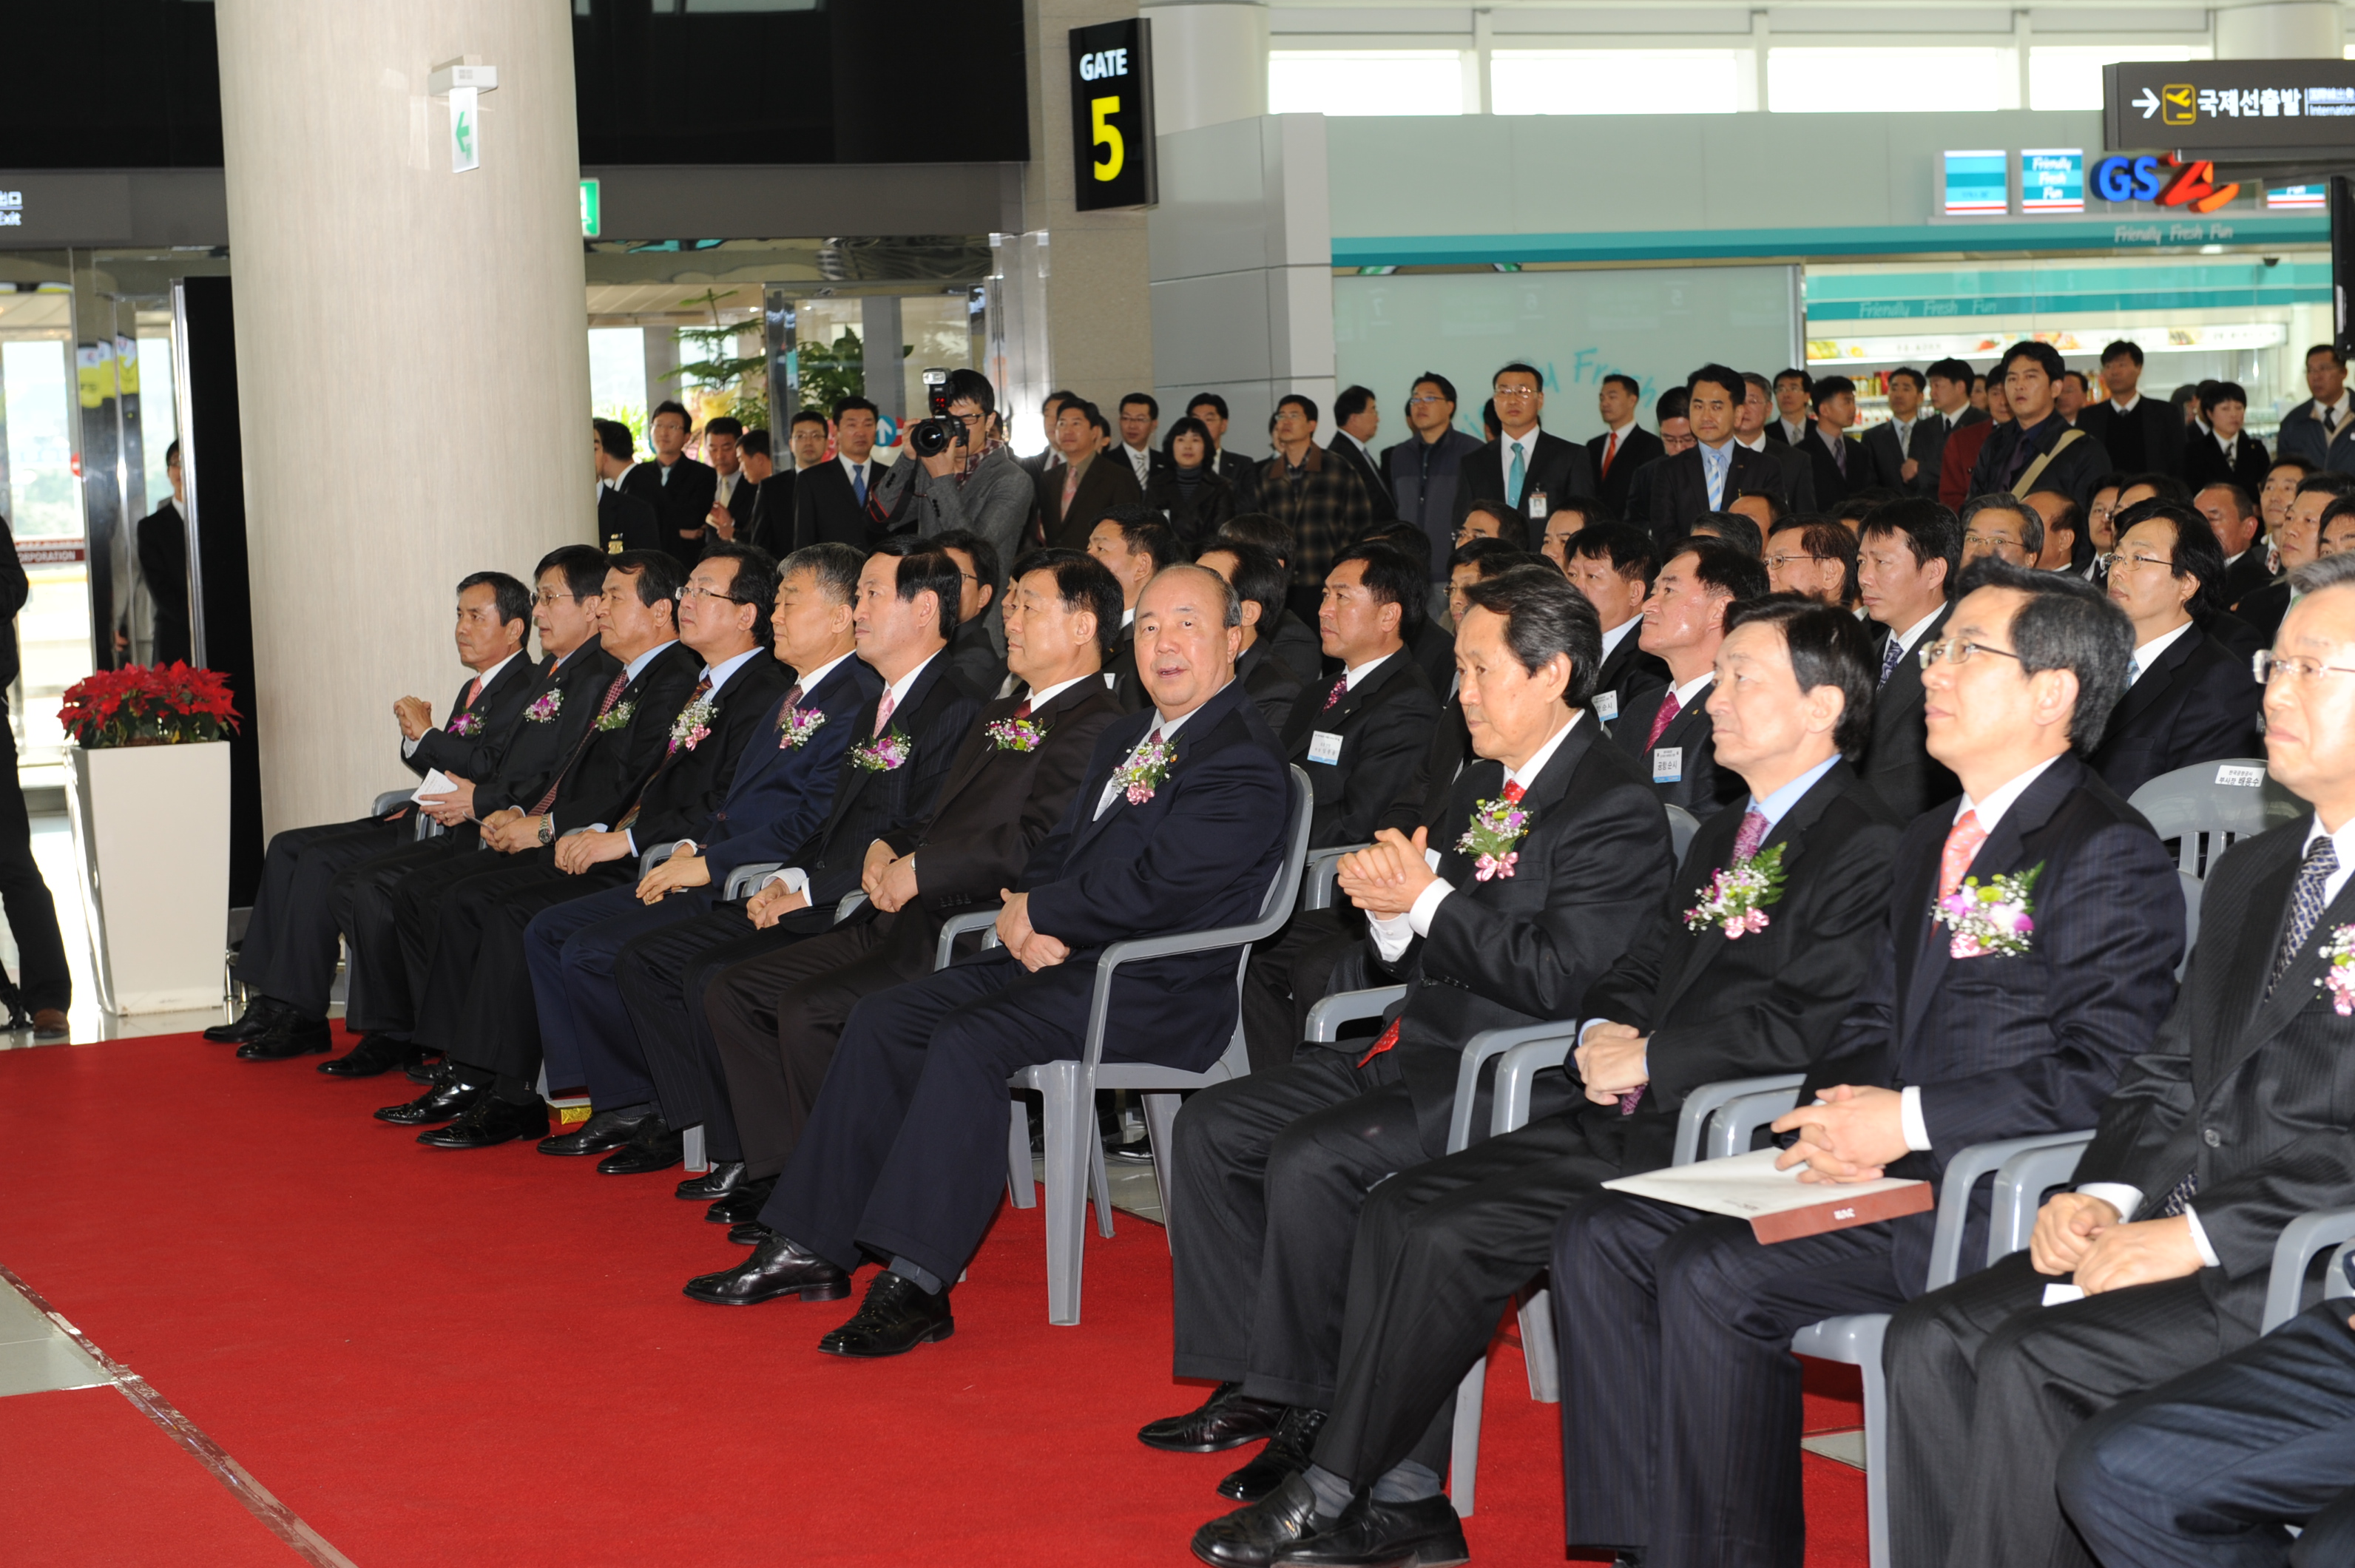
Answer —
2305 30
1209 64
412 357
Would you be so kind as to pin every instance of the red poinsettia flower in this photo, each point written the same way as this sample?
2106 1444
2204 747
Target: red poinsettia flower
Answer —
149 705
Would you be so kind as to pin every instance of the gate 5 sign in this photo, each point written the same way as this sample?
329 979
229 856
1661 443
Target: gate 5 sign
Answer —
1111 116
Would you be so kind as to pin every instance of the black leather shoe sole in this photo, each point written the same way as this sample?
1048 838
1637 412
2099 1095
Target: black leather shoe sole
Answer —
865 1349
430 1108
719 1181
636 1160
709 1288
272 1050
748 1233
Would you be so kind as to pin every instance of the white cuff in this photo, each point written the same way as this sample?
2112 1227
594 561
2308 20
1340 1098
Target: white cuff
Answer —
408 748
685 847
2200 1240
1426 904
796 881
1391 936
2117 1195
1909 1110
631 838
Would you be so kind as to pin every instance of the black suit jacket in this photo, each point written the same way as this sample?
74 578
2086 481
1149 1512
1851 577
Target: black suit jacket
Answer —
1273 686
484 727
976 658
2155 429
780 794
682 505
1639 447
771 523
1241 476
1514 950
1926 445
1680 487
606 774
1449 751
162 542
1433 648
827 509
1767 1001
741 501
1700 786
1832 483
1558 468
1108 482
2011 1046
2075 473
693 777
556 710
1384 725
2197 703
2204 462
2246 575
1370 475
1897 760
626 522
2253 1093
1627 676
2262 608
1297 645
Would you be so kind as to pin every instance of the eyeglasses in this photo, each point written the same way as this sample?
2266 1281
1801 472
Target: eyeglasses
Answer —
2118 560
696 591
1994 542
1955 650
1516 392
544 597
1783 563
1426 400
2265 666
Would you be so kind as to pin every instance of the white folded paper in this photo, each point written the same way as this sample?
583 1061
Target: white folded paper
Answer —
1778 1205
436 783
2057 1294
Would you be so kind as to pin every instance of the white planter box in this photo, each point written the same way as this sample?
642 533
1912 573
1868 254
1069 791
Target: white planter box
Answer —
151 828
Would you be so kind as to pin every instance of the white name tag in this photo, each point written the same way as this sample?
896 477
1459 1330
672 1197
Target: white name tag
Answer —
2058 1294
1668 764
2248 778
1324 746
1537 504
1606 706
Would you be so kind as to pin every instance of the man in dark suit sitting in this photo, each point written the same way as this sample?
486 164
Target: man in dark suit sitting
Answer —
2141 434
1442 1247
1906 557
680 489
288 960
777 1019
1360 737
2189 699
1681 1399
1904 449
1718 468
2233 517
623 521
2037 450
1260 580
1524 467
1133 543
830 500
1624 446
1667 733
1552 851
2234 1121
1613 565
1179 826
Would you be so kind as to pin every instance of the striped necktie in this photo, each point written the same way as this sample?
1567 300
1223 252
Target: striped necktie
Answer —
612 695
702 687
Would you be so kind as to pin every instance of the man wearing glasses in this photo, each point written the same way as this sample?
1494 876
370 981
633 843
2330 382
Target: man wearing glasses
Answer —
1525 468
2003 527
1425 468
1815 558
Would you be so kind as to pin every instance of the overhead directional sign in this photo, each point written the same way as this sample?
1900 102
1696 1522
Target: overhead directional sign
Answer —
2229 106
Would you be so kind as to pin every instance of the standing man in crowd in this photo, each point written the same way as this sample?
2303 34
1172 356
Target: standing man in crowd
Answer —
1798 489
772 526
732 494
1233 466
1525 468
623 521
832 502
1426 469
46 988
1718 468
1624 446
1073 496
1307 490
162 540
1949 384
1793 390
1355 421
1840 467
2140 434
1904 449
2037 451
1140 416
2318 431
676 486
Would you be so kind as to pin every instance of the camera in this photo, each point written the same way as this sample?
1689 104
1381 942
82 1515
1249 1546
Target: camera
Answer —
932 436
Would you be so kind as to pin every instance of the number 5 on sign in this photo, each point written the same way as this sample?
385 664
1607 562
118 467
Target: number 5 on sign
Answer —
1107 137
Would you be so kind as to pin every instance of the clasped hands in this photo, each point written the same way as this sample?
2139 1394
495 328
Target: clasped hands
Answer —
1851 1134
681 871
1033 949
415 716
2081 1234
581 850
450 809
887 880
510 832
773 903
1385 877
1610 1058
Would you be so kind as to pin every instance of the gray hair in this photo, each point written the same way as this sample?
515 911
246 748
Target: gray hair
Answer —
2067 624
2330 571
2031 521
838 567
1232 606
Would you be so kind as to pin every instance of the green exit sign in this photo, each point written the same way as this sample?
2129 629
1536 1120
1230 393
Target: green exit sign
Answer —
592 215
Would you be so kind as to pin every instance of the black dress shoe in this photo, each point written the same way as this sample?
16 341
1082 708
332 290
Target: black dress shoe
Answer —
653 1148
489 1121
896 1318
375 1054
1251 1537
1424 1534
743 1204
442 1102
724 1178
417 1068
1286 1453
1225 1420
777 1267
600 1134
750 1234
258 1015
289 1037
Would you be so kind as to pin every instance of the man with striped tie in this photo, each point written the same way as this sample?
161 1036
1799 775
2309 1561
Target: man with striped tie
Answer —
1979 1019
2240 1117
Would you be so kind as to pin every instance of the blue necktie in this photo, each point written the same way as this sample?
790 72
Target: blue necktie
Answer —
858 481
1514 479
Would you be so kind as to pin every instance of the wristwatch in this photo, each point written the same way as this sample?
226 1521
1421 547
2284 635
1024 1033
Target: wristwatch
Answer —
547 827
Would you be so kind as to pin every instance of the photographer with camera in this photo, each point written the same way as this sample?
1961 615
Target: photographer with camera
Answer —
959 474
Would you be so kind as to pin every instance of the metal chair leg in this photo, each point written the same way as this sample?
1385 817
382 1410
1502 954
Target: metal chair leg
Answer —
1020 1187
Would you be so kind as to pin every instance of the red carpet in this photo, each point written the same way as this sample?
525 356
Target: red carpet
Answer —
442 1358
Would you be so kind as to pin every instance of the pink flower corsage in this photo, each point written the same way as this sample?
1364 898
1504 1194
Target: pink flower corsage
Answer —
1143 772
1017 735
466 723
2339 978
551 703
1737 896
1996 919
794 730
1496 826
692 726
889 749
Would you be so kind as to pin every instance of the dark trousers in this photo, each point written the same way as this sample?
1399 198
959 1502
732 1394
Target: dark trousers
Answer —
1291 974
1269 1173
905 1151
290 949
42 976
585 1033
377 995
2203 1472
476 1005
1681 1399
1440 1249
1987 1386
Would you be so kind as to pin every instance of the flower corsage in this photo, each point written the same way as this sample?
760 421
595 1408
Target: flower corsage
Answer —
544 711
1737 896
1017 735
794 730
1496 825
618 717
2339 978
881 754
1143 772
692 725
1998 918
464 724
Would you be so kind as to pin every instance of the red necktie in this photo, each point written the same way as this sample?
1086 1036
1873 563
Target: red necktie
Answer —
1664 718
474 689
629 818
1340 689
1389 1036
612 695
1610 451
1022 709
1962 848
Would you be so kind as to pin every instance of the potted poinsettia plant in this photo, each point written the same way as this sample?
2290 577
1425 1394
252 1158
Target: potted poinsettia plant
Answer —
148 795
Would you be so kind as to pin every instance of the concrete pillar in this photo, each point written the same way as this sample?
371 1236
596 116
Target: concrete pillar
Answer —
1210 63
412 357
2305 30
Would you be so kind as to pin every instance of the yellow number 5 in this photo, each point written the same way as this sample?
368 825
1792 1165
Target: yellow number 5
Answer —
1108 138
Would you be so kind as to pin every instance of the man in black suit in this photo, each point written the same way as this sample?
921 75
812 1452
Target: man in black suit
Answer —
1905 448
1441 1248
680 489
1423 471
1552 851
771 525
2234 1122
2037 450
1177 826
1355 421
1133 543
1613 565
732 492
2298 543
1839 467
2189 699
1524 467
161 539
1073 495
1680 1400
440 912
623 521
1949 383
2232 515
1360 737
830 501
1793 390
1907 555
1049 406
1718 468
2141 434
1667 733
776 1020
1260 580
971 648
1798 491
1624 446
1233 467
1140 416
287 962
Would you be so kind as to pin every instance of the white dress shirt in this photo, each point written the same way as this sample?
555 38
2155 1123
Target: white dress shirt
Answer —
1168 728
850 471
796 879
1140 459
408 748
2146 654
1527 446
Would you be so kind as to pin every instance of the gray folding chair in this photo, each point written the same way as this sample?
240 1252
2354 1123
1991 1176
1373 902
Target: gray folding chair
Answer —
422 826
1323 871
2205 808
2192 887
1682 826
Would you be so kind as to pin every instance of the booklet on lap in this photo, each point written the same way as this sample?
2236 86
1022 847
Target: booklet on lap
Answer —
1778 1205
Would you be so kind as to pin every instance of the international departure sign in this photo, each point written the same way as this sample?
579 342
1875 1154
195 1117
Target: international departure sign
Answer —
2229 107
1113 162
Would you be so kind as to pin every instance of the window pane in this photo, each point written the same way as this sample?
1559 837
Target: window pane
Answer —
617 376
1617 81
1930 80
2070 76
1386 82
